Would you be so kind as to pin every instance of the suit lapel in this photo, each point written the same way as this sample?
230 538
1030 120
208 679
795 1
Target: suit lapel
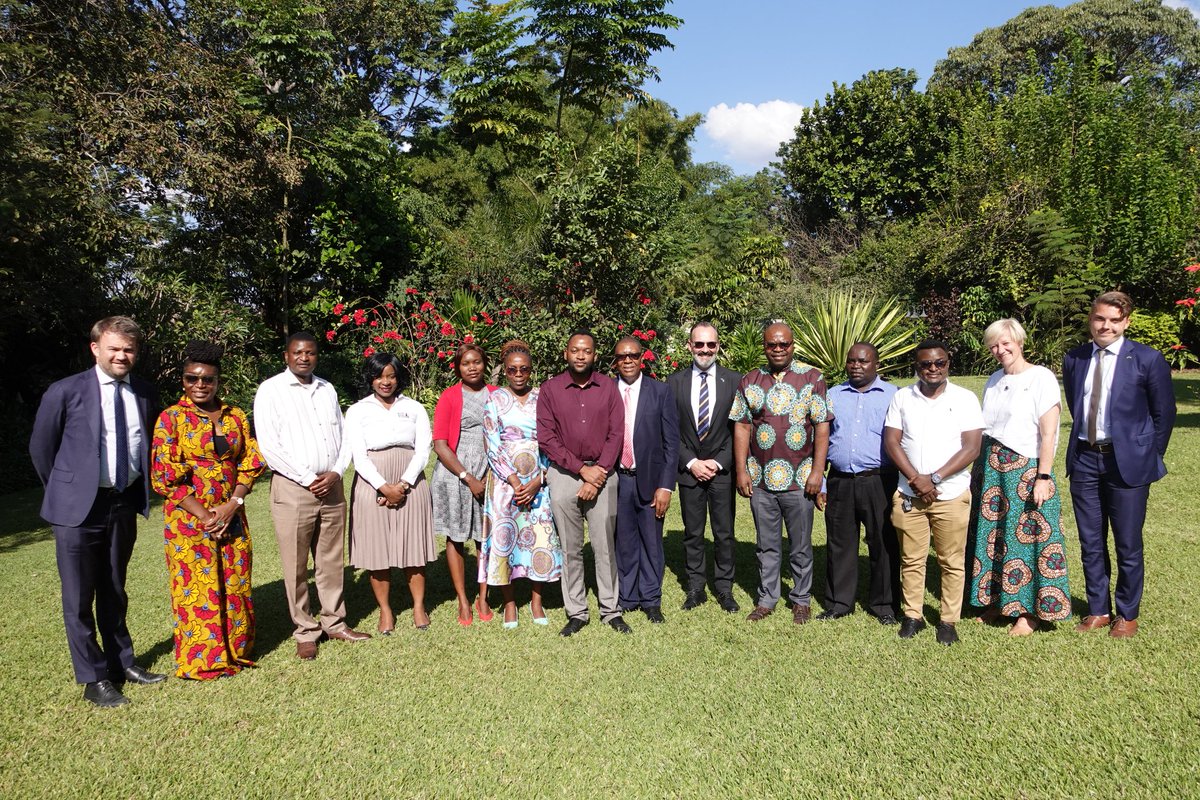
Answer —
1120 371
92 399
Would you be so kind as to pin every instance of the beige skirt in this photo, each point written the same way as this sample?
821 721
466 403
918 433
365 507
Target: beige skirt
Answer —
382 537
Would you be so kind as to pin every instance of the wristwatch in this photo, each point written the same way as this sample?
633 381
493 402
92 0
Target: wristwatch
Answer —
1042 476
239 500
935 478
462 476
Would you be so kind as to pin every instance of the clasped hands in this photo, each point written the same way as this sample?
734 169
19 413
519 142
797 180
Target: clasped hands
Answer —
219 517
923 488
393 495
524 493
593 478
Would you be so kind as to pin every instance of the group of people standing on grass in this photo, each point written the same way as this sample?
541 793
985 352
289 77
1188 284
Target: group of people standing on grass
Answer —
523 471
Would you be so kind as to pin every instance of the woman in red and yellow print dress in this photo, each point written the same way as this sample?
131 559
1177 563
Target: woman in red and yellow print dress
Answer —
205 462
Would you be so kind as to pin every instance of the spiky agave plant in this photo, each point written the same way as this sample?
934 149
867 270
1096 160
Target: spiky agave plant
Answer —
824 335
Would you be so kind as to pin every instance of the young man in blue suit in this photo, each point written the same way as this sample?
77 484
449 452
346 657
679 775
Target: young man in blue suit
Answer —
91 448
646 478
1123 409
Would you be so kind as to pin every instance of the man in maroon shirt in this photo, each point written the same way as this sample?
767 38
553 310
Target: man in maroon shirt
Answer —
580 428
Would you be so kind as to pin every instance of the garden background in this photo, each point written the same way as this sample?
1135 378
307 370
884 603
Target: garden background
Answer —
405 174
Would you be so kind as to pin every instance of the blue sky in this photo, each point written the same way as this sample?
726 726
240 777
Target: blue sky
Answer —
750 67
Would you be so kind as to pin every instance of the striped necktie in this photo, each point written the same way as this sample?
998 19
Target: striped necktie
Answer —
121 425
702 415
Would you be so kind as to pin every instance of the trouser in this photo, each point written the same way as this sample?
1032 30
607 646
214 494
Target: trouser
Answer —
307 524
601 516
851 502
713 499
639 548
772 512
945 521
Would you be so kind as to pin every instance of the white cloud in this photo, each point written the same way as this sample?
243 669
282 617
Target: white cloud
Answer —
750 134
1187 5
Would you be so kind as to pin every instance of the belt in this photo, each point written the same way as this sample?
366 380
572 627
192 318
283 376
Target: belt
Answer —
630 472
1098 447
866 473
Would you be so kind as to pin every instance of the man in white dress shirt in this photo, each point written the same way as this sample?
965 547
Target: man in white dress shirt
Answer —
298 423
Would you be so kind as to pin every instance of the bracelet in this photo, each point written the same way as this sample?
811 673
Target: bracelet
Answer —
1043 476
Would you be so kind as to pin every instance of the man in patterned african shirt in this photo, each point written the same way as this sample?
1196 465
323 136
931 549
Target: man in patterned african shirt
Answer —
780 441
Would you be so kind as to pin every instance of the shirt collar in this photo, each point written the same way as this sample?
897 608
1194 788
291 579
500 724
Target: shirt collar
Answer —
636 385
105 378
876 386
1114 348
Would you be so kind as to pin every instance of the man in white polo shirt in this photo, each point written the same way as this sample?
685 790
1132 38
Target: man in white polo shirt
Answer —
932 433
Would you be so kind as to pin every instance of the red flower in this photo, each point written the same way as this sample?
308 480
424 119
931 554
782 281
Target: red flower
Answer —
645 301
410 291
329 335
674 363
377 339
429 349
1192 268
388 306
345 318
620 327
339 308
447 329
360 317
368 352
419 334
422 325
1179 347
474 318
441 353
487 318
391 335
468 338
637 332
1187 301
374 323
427 306
648 356
650 334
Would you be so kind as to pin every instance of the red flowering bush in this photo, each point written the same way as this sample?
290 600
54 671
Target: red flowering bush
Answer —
424 333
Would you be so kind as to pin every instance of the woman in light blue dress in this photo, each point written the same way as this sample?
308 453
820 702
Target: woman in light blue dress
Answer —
519 536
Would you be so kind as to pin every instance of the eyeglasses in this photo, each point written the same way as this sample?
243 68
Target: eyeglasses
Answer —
777 345
704 345
626 356
940 363
523 370
191 380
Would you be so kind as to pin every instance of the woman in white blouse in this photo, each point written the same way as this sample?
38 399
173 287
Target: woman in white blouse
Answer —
391 512
1019 567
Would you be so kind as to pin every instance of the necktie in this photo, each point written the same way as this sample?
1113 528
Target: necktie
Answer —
1094 400
702 420
121 478
627 447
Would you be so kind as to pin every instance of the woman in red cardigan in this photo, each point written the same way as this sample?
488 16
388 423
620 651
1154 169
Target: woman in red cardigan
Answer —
458 478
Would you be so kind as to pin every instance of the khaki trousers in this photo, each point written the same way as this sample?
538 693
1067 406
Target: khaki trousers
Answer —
945 521
305 524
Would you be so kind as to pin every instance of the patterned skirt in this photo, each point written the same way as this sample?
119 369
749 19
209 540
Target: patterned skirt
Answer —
1019 563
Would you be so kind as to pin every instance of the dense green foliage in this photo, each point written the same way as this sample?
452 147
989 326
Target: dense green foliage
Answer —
235 169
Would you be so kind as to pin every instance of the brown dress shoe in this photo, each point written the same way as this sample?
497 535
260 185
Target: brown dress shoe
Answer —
1123 628
1093 622
348 635
801 614
306 651
760 612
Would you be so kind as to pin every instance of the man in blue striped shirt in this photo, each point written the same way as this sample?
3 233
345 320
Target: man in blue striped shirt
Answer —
859 489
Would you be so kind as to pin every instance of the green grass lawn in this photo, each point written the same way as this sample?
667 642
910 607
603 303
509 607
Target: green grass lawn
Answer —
706 705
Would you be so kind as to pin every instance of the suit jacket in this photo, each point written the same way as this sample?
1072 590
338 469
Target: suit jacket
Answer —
655 438
719 442
1140 411
65 446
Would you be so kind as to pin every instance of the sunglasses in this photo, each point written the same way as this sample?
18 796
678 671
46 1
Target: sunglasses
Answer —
191 380
518 370
704 345
940 363
627 356
777 345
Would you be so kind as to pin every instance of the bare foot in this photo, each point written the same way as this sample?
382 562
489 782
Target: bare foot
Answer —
1024 626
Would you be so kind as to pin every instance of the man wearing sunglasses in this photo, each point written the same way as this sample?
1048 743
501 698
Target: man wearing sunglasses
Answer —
780 441
932 434
91 448
645 481
704 393
580 428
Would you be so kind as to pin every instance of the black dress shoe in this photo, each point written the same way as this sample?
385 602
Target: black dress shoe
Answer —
654 614
573 627
727 603
887 619
946 634
136 674
619 625
104 694
911 627
828 615
694 599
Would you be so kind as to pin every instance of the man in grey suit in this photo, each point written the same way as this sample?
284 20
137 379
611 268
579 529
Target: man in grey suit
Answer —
704 393
91 448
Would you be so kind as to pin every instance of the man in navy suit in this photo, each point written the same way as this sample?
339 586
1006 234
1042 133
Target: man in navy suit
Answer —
646 479
91 448
704 392
1123 409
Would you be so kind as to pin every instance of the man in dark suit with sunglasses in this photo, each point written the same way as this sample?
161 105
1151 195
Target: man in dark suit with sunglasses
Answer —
704 393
